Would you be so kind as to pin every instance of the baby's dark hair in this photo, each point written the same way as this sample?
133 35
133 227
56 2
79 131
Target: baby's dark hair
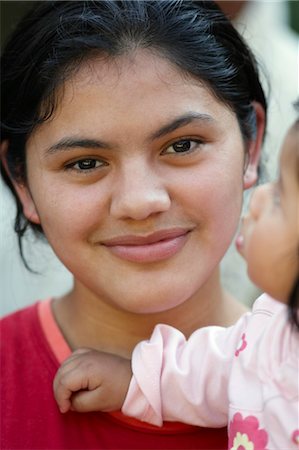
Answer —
293 302
56 37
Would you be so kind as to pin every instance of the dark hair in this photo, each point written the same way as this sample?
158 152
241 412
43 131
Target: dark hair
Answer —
293 302
56 37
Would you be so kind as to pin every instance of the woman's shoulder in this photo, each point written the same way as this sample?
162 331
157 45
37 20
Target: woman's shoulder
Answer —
22 334
20 319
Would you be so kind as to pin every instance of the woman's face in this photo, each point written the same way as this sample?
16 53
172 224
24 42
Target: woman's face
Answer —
137 182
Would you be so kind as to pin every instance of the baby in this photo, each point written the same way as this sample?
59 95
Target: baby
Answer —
246 375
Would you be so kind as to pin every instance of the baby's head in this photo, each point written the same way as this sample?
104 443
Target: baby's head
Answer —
269 239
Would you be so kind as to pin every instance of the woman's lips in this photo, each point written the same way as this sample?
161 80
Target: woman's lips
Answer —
155 247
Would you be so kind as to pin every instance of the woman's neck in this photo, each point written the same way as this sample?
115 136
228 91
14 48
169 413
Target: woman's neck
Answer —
88 321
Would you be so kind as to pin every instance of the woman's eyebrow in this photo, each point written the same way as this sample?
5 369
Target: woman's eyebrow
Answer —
69 143
180 122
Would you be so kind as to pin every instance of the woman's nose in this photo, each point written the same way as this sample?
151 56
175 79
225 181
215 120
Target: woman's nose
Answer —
139 193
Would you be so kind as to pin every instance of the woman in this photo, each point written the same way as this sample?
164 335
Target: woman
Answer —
130 130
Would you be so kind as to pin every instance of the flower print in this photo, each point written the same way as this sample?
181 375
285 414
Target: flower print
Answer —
242 344
295 437
241 441
245 434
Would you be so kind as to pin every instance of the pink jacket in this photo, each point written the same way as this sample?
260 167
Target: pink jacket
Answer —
245 376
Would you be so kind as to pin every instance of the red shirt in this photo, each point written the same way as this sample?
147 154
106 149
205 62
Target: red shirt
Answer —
32 348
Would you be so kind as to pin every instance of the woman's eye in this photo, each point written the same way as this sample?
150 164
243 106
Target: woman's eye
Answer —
182 146
85 165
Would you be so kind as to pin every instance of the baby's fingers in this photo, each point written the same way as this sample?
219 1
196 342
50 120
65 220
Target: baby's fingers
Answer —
62 396
85 401
65 383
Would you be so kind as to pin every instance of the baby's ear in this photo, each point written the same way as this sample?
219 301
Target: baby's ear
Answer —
254 149
29 209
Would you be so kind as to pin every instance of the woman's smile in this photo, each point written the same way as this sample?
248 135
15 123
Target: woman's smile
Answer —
145 249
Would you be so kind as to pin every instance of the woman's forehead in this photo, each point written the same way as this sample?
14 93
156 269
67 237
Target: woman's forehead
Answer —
131 80
112 70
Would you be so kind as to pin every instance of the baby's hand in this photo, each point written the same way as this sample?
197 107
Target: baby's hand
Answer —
90 380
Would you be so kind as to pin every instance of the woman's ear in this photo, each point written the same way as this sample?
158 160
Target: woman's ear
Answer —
255 147
22 191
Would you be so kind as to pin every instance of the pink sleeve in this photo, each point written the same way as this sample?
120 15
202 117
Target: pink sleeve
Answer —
175 379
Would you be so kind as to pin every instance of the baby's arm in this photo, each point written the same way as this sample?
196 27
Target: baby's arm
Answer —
90 380
175 379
